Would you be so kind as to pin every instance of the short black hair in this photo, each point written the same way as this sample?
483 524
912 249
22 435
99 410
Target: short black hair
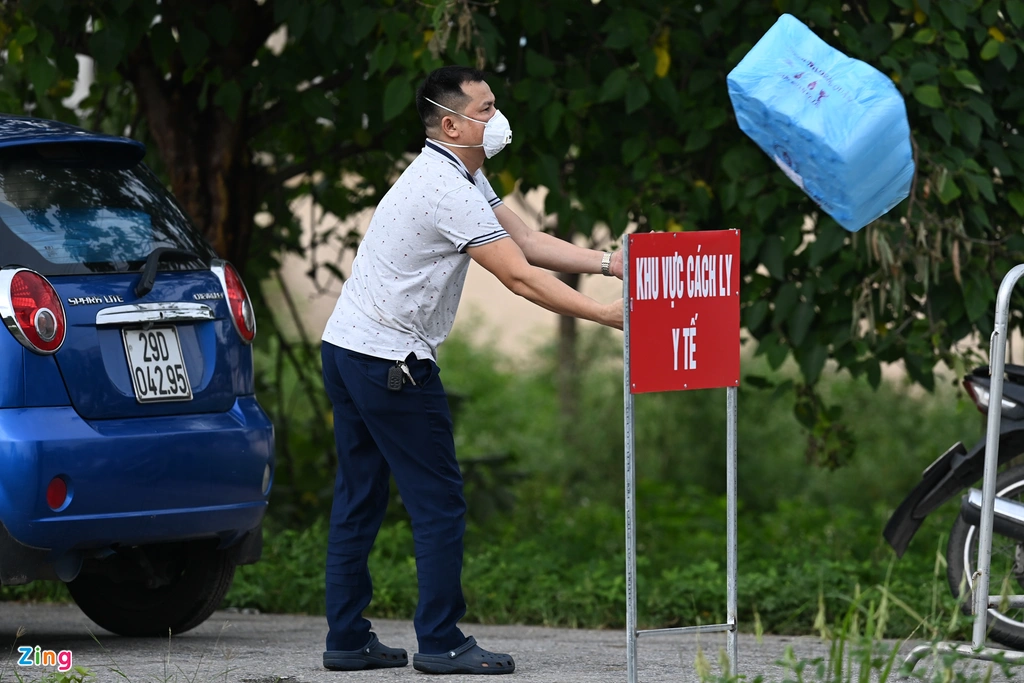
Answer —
444 86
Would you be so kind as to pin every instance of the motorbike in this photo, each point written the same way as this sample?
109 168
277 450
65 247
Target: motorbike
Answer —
959 471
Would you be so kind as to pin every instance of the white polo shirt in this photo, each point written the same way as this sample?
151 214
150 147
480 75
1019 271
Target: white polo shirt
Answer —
408 274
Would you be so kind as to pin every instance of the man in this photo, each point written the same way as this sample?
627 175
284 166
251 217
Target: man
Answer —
379 364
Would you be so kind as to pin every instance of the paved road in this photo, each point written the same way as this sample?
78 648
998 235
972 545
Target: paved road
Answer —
256 648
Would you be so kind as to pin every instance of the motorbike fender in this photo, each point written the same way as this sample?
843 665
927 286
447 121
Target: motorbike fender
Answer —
955 470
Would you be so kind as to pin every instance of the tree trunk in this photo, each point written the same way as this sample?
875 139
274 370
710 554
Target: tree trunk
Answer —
208 163
205 151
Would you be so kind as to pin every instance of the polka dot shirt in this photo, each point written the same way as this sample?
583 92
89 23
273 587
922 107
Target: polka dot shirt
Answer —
408 274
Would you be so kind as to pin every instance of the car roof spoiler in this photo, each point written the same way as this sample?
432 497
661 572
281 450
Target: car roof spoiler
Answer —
56 141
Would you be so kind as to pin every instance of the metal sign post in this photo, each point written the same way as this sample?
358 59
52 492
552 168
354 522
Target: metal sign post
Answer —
980 581
681 326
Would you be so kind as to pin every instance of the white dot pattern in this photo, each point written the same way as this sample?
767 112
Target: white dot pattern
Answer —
408 275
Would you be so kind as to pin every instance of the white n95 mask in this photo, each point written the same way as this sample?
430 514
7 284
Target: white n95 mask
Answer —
497 131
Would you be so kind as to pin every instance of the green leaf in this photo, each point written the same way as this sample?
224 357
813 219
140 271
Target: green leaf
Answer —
922 71
955 12
637 95
26 34
633 148
874 372
975 302
385 54
316 104
324 24
879 10
619 36
221 24
229 98
357 23
194 44
106 47
579 100
397 96
928 95
764 206
925 36
983 184
1008 55
990 50
785 302
942 125
968 80
1015 8
523 90
553 114
812 361
714 117
773 255
298 22
982 109
44 42
827 240
614 86
1017 202
755 315
970 128
539 66
697 140
978 214
948 191
40 72
161 42
956 48
800 323
737 162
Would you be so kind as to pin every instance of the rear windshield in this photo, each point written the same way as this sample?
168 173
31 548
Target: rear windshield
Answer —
62 213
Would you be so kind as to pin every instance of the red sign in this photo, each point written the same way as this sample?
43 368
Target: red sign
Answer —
684 310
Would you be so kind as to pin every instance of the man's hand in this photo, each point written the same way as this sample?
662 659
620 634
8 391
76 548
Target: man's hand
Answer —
613 312
616 265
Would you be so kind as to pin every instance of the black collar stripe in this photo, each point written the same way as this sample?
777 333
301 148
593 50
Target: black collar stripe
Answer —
452 160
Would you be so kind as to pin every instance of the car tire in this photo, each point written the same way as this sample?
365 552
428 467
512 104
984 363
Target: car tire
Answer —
192 583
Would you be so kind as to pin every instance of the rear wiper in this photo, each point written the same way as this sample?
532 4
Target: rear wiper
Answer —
145 284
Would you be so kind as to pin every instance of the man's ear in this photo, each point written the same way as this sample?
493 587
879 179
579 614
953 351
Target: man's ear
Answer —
448 126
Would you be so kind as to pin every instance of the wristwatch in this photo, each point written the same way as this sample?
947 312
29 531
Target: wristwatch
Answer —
606 264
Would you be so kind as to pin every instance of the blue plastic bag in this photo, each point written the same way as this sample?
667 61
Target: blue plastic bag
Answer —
835 125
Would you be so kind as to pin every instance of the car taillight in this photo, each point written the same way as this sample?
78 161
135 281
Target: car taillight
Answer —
238 300
981 397
31 310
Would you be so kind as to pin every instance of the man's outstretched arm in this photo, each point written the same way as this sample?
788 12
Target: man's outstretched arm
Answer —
507 262
547 251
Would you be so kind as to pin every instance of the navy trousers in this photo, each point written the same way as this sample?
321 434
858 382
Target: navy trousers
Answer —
407 433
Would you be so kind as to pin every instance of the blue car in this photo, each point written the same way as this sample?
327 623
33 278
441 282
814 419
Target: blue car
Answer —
135 461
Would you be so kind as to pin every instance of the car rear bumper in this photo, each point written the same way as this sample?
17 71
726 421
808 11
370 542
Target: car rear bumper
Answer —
133 481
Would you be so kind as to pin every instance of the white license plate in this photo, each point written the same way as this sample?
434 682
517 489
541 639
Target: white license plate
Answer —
155 362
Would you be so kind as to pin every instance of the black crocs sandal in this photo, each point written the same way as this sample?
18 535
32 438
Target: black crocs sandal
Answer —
373 655
468 658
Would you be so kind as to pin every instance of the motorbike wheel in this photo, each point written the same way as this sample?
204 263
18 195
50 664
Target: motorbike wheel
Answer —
1007 570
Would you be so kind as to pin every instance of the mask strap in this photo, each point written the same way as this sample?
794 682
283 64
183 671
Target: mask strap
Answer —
482 123
451 144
